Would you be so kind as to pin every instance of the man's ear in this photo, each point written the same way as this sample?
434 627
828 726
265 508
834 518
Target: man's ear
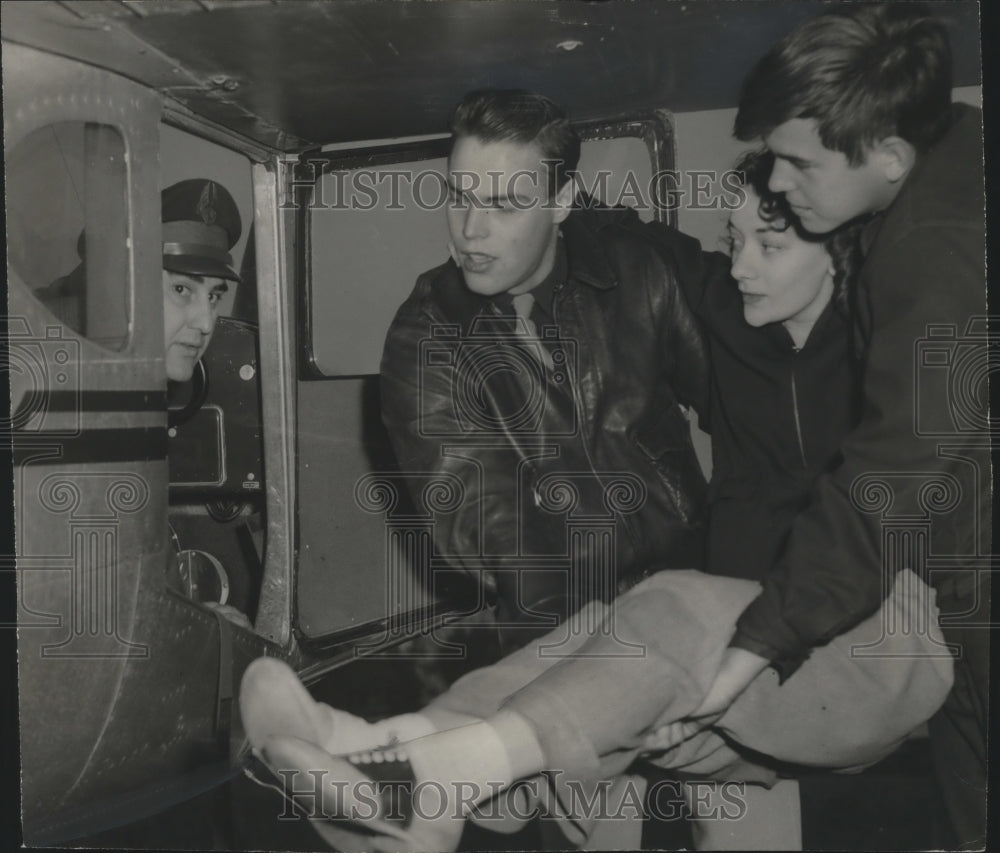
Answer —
563 200
894 157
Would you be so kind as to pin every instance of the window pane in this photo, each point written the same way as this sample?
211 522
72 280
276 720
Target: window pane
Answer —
618 171
368 247
68 226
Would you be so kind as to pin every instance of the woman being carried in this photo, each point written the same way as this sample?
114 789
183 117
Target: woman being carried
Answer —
658 677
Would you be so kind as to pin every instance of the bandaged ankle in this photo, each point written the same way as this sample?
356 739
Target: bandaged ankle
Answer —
404 727
524 753
470 762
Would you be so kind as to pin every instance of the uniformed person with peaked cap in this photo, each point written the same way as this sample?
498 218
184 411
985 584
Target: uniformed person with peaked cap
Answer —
201 224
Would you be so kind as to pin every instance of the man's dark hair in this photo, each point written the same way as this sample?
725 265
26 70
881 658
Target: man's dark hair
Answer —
863 74
517 115
843 245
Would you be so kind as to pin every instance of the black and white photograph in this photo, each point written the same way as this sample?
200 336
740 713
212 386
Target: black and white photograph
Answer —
497 425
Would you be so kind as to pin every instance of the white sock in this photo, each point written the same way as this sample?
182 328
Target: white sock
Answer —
403 728
475 762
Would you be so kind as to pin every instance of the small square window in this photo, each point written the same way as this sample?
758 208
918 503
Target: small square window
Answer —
68 233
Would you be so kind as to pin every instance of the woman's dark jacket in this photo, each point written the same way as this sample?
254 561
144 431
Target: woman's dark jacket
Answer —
777 418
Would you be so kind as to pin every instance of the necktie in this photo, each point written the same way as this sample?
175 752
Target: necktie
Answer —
523 303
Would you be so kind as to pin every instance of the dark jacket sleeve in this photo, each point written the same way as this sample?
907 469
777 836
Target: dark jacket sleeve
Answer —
685 269
838 564
694 274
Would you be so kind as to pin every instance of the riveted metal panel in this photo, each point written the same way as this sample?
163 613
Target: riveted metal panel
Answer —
119 678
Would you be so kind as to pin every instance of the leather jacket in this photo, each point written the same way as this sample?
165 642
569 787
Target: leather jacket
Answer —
584 472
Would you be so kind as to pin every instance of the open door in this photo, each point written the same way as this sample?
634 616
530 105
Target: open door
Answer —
125 686
87 401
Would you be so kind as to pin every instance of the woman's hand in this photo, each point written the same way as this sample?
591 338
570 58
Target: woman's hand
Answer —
737 669
672 734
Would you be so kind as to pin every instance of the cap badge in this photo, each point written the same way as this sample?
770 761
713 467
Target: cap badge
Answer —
206 204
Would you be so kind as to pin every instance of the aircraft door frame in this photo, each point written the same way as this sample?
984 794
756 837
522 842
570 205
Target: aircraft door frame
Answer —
275 302
89 436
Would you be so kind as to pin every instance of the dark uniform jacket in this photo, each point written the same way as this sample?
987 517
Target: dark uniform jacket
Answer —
913 488
587 465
